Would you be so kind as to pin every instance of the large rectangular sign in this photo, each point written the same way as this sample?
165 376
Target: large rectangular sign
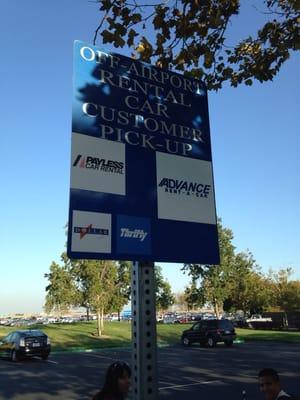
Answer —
141 166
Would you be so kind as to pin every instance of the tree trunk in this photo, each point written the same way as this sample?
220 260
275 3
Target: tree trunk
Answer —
216 308
87 313
119 317
102 319
99 331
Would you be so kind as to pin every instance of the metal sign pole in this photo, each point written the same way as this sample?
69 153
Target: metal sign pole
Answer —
144 354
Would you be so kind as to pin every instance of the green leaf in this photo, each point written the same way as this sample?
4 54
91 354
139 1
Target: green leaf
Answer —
136 18
119 42
208 59
106 5
197 27
131 35
108 37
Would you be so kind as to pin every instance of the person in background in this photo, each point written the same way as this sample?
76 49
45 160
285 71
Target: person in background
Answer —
117 382
270 385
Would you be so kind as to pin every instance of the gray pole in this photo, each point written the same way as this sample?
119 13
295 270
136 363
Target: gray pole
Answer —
144 355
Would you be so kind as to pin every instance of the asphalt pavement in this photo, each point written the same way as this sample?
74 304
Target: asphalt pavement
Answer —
193 372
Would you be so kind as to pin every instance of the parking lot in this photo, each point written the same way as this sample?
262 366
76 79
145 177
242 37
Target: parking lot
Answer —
195 372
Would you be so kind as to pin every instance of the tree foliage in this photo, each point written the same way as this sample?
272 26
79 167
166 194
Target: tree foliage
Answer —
249 289
164 296
190 36
194 296
214 279
99 286
286 292
93 284
123 286
239 284
181 301
61 292
97 282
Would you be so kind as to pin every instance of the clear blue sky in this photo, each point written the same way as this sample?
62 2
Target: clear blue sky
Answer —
255 142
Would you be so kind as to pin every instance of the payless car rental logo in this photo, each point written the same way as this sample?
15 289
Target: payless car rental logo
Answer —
89 230
100 164
179 187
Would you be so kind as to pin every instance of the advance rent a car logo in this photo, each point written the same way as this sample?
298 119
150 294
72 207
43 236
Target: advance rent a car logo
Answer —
179 187
99 164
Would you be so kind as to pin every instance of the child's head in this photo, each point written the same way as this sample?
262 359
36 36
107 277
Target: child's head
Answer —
117 379
269 383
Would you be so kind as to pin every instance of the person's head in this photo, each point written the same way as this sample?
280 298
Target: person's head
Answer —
117 380
269 383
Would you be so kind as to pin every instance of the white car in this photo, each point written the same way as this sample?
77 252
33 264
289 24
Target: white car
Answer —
258 318
169 320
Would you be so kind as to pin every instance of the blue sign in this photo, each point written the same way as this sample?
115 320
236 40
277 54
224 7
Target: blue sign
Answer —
133 235
141 165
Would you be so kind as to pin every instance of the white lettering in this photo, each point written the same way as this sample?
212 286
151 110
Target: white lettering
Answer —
135 101
90 109
87 51
136 234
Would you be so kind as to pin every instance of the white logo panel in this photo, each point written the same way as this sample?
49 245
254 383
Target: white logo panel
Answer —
185 189
91 232
97 165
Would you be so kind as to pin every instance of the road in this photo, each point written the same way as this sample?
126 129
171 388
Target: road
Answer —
194 372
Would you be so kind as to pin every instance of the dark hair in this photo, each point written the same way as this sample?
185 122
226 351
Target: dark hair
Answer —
111 388
269 372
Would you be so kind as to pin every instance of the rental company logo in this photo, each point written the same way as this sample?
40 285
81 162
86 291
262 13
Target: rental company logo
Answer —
133 235
100 164
89 230
139 234
185 187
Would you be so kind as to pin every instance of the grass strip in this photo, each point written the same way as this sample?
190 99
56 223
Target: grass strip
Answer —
81 336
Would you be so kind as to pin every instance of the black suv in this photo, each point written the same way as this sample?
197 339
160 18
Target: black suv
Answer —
210 332
25 343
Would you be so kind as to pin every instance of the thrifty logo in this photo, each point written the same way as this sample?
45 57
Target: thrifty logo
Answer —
100 164
184 187
135 233
89 230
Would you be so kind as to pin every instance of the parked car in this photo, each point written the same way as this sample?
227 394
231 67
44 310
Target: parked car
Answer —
208 316
25 343
258 318
181 319
197 317
169 320
240 321
159 319
210 332
257 321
